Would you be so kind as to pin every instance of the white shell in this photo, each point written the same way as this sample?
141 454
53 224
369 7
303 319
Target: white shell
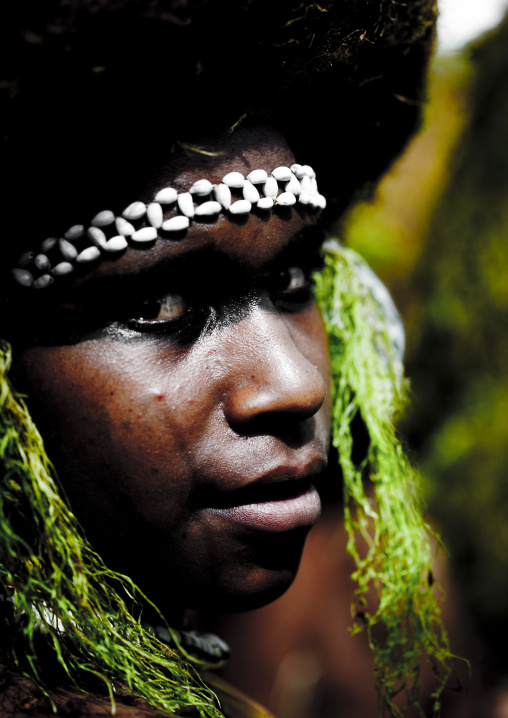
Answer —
90 254
293 186
67 250
286 199
103 219
43 281
250 193
63 268
242 206
298 170
23 277
41 262
186 204
222 194
48 244
97 236
282 174
201 188
166 195
134 211
271 188
75 232
306 185
154 214
146 234
257 176
123 227
116 244
26 258
176 224
234 179
305 190
208 208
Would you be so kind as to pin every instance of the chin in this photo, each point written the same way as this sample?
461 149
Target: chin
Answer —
259 576
257 592
233 574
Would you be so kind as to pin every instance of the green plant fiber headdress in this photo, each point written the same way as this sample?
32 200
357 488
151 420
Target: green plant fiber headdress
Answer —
60 590
388 537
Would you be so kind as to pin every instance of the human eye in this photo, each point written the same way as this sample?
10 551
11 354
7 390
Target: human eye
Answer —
158 314
293 288
292 278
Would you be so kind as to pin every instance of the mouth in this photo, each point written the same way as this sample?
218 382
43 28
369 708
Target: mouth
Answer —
272 503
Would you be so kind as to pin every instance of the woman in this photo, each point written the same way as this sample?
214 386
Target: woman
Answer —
163 328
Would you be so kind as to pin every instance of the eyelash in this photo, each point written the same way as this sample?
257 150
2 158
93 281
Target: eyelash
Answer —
291 290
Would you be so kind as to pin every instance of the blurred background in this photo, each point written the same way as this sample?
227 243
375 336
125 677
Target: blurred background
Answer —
436 232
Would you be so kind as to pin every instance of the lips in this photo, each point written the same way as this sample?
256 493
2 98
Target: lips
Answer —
282 515
280 500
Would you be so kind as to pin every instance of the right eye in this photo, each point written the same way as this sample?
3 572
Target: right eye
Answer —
158 312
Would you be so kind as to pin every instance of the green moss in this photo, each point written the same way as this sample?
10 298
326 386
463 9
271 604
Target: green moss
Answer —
388 537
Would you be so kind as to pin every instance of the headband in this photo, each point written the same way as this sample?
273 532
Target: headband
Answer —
140 224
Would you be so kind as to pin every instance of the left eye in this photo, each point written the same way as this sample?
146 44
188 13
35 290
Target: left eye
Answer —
291 279
293 287
163 310
295 278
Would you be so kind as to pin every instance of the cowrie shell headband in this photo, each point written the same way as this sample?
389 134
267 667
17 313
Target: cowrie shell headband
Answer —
141 224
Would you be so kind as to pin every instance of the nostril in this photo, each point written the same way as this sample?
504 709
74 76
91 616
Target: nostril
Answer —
293 429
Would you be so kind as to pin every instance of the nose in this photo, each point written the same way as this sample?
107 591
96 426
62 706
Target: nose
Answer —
272 377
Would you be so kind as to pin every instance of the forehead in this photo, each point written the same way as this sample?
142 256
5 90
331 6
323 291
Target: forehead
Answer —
251 240
251 244
248 224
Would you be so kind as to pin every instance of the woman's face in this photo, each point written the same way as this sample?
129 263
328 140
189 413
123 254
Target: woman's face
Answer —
183 397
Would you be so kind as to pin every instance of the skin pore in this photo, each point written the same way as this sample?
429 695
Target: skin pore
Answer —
182 392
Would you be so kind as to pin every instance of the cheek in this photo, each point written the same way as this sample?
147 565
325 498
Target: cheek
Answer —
120 423
135 428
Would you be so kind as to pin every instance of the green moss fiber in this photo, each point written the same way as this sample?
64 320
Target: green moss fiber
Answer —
388 537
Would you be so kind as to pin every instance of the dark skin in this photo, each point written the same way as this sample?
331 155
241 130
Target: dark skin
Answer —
161 416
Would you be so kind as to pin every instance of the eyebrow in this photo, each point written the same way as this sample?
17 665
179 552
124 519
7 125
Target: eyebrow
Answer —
187 267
